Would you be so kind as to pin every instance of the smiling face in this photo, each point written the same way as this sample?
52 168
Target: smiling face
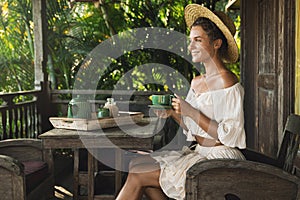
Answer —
201 48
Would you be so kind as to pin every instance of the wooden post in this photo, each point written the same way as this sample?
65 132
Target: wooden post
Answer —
76 173
40 62
40 42
91 177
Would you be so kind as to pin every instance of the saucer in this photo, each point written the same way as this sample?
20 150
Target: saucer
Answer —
164 107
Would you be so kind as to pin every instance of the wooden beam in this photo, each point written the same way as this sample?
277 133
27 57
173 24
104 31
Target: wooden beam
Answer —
40 42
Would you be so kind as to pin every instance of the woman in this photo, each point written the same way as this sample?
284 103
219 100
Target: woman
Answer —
211 115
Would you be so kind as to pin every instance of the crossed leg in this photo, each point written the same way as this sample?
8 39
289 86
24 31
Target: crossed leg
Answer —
143 177
155 193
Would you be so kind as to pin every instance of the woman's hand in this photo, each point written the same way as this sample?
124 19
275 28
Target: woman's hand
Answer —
181 107
163 113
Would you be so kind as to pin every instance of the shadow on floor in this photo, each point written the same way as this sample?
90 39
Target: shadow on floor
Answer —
63 167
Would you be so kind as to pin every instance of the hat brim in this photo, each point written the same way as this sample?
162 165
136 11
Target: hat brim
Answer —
193 11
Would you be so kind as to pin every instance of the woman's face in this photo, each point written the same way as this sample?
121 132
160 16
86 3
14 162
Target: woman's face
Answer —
200 46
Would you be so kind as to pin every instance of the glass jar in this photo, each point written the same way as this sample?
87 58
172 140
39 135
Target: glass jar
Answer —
112 106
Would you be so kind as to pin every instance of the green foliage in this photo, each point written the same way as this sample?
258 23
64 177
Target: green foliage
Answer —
235 68
72 34
150 13
75 30
16 46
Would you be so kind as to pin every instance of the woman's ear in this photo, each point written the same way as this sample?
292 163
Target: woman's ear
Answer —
217 43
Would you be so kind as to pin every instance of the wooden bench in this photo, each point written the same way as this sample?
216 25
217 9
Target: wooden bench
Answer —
258 177
24 173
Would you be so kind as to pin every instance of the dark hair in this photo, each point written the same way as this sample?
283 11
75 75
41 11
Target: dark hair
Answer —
213 33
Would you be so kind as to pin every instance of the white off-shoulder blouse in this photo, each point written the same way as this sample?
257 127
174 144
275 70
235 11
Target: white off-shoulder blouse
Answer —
224 106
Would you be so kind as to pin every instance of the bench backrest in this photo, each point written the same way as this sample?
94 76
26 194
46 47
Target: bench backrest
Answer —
288 150
290 143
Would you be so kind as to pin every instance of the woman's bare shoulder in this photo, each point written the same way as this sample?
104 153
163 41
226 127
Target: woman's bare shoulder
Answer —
196 79
199 84
229 79
224 79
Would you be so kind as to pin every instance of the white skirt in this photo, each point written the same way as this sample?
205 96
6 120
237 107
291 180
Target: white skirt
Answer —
174 165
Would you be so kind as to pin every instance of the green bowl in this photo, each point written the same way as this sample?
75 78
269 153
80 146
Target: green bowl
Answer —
103 112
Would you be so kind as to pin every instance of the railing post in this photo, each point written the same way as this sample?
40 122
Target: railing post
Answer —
45 108
7 114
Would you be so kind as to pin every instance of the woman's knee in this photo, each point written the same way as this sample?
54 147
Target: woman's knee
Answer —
134 178
140 161
144 168
133 162
142 179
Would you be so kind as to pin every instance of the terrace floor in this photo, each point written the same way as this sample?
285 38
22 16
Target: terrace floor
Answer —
64 180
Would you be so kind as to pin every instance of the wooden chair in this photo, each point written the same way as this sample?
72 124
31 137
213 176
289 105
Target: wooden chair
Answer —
23 172
258 177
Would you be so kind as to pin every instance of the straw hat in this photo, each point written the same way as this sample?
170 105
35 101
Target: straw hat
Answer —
193 11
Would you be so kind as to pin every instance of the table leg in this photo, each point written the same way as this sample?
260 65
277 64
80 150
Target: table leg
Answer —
76 174
91 171
48 157
118 173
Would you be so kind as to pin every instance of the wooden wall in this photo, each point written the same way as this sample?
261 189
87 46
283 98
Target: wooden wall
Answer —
267 67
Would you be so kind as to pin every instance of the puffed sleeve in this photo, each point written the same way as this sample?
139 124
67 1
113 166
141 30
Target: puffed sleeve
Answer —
189 135
229 113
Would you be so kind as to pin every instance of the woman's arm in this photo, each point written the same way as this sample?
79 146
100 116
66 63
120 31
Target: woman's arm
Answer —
181 107
173 114
223 80
178 119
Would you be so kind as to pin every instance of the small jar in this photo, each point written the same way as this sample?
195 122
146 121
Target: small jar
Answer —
112 106
103 112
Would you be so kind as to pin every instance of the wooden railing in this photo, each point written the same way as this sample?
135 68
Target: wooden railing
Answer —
25 114
126 100
19 115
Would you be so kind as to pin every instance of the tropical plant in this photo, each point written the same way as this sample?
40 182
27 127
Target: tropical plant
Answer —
16 46
75 29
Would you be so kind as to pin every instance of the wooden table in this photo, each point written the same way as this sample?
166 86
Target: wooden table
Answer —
136 136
